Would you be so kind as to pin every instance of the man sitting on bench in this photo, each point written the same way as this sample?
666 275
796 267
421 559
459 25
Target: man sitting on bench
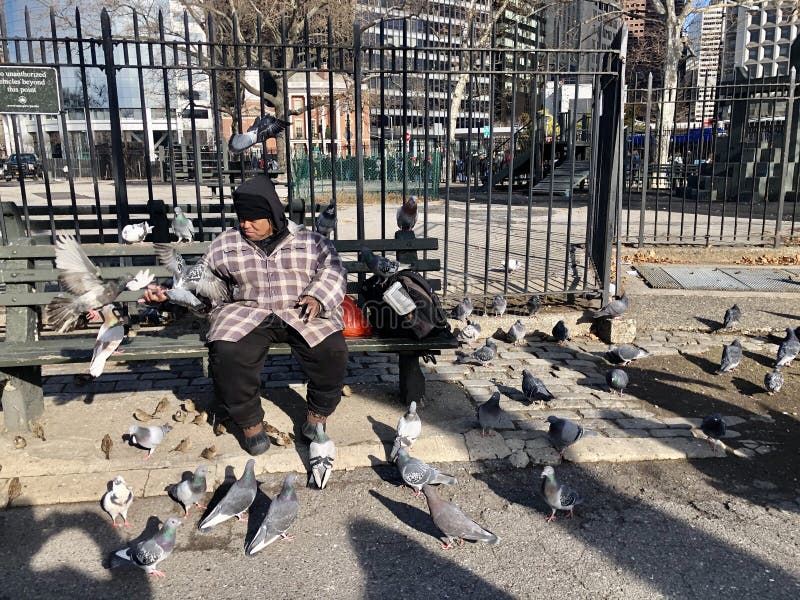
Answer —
291 284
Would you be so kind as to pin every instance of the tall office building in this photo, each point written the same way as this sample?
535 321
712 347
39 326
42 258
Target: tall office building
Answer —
760 38
712 34
634 18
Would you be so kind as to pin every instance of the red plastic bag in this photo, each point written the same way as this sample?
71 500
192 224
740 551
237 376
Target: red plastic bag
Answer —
355 323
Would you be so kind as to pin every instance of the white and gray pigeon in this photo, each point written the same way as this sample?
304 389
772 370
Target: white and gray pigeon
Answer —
563 432
409 428
326 220
263 128
483 355
534 305
87 290
773 381
558 497
380 265
117 501
731 357
193 490
407 214
321 454
136 232
516 333
282 512
148 553
470 333
182 226
490 415
560 332
625 353
499 305
109 337
148 437
416 473
463 309
453 523
788 349
614 309
190 282
617 380
732 317
511 265
236 501
534 388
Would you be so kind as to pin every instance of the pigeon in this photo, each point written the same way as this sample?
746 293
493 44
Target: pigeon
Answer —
617 380
626 353
773 381
732 317
614 309
499 305
533 388
236 501
190 282
463 309
511 265
136 233
182 226
409 428
483 355
380 265
453 523
148 553
407 214
148 437
470 333
192 491
788 349
263 128
560 332
321 453
534 305
558 497
490 415
516 333
106 445
731 357
326 221
117 501
563 433
88 292
714 427
281 514
110 336
417 473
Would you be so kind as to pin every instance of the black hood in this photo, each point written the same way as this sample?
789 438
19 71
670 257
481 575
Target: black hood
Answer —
256 198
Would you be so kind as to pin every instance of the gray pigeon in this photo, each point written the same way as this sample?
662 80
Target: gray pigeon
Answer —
483 355
533 388
148 437
409 428
788 349
626 353
732 317
326 221
470 333
263 128
407 214
236 501
117 501
714 427
192 491
453 523
190 282
490 415
614 309
417 473
499 305
516 333
321 454
534 305
148 553
617 380
558 497
87 291
463 309
380 265
281 514
731 357
182 226
563 432
560 332
773 381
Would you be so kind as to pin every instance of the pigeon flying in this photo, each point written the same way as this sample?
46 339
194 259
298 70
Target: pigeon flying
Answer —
263 128
110 336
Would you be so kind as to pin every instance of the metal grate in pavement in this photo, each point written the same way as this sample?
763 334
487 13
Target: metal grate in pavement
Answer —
760 279
768 280
658 278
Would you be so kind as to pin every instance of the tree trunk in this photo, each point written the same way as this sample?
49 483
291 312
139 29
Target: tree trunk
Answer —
455 108
672 57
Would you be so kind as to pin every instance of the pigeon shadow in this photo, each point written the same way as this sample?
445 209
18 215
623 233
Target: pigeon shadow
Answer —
412 516
710 323
293 405
384 433
764 361
219 494
258 511
703 363
782 315
746 387
386 471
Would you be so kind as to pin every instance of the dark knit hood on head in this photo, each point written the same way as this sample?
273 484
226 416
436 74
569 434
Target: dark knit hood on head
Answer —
256 198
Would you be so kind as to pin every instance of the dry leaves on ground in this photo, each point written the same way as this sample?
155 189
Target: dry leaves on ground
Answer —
648 256
765 259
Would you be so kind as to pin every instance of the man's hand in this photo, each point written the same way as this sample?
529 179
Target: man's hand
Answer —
154 294
309 308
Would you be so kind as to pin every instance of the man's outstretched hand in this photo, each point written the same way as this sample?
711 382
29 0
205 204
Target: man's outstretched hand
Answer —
309 308
154 294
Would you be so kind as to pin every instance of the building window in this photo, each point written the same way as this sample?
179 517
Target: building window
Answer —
752 54
783 50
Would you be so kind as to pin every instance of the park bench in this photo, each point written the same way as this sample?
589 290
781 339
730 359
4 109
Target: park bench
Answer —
28 271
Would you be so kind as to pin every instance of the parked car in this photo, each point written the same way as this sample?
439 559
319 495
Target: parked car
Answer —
29 164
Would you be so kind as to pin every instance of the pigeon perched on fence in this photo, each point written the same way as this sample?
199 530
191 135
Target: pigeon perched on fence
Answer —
380 265
192 491
321 454
282 512
87 290
470 333
326 220
534 305
148 553
788 349
117 501
614 309
453 523
499 305
626 353
617 380
560 332
236 501
516 333
558 497
416 473
732 317
533 388
182 225
731 357
191 283
263 128
483 355
773 381
714 427
490 415
148 437
407 214
134 233
409 428
109 337
563 432
463 309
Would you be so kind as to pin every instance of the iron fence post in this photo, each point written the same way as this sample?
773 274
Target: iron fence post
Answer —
359 118
787 135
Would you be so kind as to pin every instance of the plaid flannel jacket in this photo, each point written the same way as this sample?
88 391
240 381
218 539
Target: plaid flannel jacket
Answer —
303 264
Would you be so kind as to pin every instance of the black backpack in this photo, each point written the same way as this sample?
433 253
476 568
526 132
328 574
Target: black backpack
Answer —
427 320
